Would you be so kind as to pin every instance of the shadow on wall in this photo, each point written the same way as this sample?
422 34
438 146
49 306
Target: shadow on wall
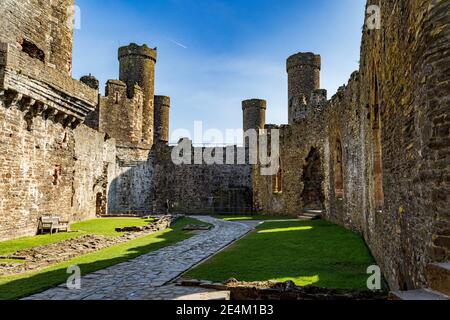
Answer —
158 186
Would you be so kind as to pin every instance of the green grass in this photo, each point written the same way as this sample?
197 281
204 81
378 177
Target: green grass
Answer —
11 246
104 227
14 287
256 217
309 253
107 226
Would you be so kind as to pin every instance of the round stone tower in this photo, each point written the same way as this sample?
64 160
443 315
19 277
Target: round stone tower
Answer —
303 79
137 66
162 110
254 114
90 81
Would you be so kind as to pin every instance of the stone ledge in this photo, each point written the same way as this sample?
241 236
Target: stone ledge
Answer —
23 79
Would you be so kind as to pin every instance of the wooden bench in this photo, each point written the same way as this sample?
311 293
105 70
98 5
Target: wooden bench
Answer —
52 224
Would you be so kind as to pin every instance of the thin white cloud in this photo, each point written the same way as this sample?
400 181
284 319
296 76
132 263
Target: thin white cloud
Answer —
177 43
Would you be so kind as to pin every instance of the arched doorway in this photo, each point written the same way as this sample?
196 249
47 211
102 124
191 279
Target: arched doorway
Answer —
312 195
100 208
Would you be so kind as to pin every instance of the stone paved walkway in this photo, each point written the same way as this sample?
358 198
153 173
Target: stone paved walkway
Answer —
148 277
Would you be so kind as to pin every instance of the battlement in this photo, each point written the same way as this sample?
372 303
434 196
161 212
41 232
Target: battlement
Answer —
135 50
90 81
304 59
162 101
254 103
114 87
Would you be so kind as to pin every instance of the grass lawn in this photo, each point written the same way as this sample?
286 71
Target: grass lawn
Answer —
309 253
14 287
256 217
105 227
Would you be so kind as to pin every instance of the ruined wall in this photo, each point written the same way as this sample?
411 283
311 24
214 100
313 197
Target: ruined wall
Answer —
41 28
50 163
404 70
392 124
94 171
120 116
201 188
131 190
49 170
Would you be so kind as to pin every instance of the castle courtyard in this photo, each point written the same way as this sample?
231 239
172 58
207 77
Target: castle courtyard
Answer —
105 196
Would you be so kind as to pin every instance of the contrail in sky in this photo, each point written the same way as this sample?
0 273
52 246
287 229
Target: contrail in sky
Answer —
177 43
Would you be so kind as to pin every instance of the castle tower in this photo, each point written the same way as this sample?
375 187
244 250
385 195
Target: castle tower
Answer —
254 115
303 79
162 110
90 81
137 66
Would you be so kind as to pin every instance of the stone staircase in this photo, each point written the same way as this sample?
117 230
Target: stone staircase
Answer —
438 275
310 214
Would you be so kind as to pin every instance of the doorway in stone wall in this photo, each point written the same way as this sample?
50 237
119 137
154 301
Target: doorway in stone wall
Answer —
312 178
100 208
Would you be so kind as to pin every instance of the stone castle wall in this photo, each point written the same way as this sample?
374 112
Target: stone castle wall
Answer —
41 28
387 131
200 188
120 116
50 170
131 190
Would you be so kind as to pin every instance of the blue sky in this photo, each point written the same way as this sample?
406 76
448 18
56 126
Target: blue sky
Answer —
212 54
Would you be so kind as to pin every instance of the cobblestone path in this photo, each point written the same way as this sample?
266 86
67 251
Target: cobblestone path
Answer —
148 277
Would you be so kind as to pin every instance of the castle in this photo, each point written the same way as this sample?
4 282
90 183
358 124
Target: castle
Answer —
374 158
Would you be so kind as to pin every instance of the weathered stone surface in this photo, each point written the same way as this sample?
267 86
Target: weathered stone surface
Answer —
44 25
383 142
374 158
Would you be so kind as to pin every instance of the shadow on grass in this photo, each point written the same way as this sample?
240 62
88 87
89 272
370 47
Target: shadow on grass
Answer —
16 287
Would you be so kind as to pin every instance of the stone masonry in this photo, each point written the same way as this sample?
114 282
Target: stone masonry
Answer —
373 158
382 143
